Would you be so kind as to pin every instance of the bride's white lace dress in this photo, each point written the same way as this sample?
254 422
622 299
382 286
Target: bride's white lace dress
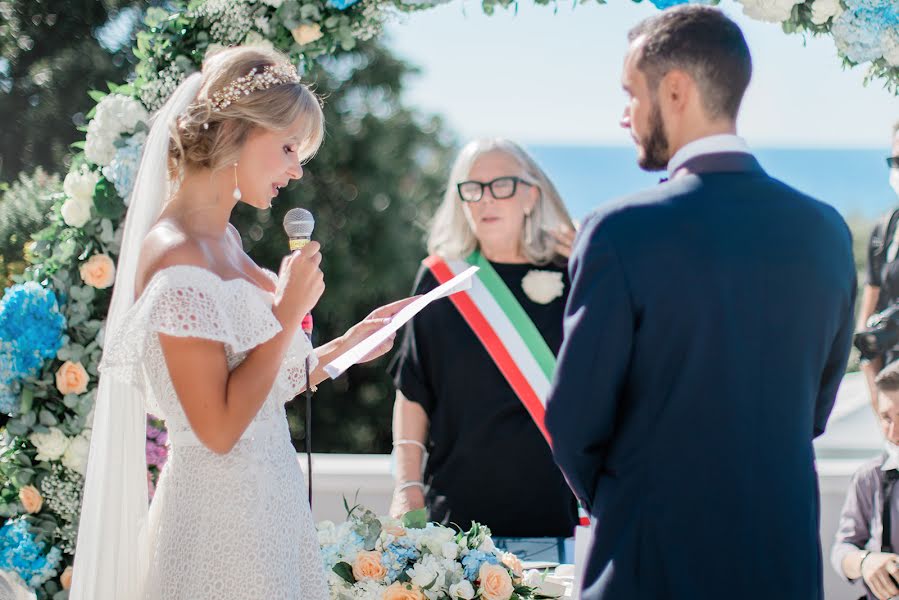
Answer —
233 526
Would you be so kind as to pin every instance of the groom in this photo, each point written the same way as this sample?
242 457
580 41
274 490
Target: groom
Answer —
706 332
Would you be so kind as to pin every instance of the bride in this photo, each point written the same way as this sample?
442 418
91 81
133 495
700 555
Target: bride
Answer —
200 335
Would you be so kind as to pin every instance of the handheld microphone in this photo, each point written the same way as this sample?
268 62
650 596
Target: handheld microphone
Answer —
298 225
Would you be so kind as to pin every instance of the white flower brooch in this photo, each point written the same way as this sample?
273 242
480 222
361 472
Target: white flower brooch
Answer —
543 286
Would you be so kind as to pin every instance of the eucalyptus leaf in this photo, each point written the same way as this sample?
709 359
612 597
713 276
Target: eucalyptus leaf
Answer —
345 572
47 418
415 519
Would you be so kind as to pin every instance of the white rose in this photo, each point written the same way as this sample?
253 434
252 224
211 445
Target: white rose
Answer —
80 184
463 590
423 573
773 11
273 3
543 286
487 545
450 550
75 457
532 578
822 10
76 212
436 538
50 445
99 146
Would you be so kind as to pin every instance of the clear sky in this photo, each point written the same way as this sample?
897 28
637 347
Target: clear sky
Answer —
545 78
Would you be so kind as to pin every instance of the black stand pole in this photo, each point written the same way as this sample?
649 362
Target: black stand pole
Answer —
308 429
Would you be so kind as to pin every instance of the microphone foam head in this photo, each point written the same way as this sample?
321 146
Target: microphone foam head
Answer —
299 223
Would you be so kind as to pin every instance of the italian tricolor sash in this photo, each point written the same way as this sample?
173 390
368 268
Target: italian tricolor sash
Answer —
507 333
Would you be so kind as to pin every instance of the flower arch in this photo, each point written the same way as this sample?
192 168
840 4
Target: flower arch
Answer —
51 320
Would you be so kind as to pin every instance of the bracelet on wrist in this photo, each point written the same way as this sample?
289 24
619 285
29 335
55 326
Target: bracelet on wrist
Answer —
861 563
404 485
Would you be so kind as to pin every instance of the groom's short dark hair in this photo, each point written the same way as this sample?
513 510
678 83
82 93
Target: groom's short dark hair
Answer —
704 43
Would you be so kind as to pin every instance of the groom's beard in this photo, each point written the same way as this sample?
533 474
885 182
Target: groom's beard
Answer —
655 146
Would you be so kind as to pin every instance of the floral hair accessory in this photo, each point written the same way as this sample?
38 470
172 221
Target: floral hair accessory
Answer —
255 80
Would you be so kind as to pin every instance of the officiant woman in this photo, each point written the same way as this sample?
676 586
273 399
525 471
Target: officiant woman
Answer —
473 370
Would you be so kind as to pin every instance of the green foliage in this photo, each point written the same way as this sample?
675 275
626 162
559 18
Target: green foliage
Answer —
52 57
24 206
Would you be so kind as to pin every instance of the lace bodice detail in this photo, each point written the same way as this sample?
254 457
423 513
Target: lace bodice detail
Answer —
188 301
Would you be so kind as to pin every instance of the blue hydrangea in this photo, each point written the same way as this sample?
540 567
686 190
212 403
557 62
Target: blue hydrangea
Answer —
19 552
859 30
341 4
31 331
123 168
663 4
473 560
397 558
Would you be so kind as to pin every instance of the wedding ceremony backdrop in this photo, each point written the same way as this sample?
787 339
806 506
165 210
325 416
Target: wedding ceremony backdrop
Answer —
372 188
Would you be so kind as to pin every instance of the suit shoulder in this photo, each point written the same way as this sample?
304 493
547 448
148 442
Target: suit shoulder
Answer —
636 209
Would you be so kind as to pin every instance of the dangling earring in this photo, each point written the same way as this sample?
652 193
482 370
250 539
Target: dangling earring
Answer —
237 195
528 235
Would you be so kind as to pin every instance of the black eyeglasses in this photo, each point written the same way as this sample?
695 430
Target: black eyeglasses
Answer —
501 188
893 162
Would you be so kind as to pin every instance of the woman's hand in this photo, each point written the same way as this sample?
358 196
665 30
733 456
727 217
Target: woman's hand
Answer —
564 236
300 285
372 323
877 569
411 498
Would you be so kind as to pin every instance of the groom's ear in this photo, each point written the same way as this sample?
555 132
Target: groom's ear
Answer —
676 90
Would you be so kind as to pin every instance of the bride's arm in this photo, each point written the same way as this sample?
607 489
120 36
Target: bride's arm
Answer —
220 404
376 320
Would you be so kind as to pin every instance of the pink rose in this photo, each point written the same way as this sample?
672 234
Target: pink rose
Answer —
71 378
495 583
403 591
98 271
66 578
368 567
31 499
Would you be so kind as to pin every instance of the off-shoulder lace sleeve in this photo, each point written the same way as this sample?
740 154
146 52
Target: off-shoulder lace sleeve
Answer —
187 301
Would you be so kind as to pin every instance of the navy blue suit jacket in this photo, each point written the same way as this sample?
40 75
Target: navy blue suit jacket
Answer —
706 332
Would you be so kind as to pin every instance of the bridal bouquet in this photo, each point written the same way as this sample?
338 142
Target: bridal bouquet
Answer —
378 558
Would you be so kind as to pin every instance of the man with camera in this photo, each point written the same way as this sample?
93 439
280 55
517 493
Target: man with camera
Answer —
869 523
878 318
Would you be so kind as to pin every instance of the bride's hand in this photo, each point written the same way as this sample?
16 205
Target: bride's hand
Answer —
370 324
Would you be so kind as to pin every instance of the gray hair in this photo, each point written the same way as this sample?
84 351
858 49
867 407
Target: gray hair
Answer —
451 235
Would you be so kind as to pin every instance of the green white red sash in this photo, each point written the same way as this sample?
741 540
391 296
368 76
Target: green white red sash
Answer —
507 333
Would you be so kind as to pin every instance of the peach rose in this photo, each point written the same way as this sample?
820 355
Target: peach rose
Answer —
307 33
66 578
98 271
514 564
495 583
71 378
394 529
403 591
368 567
31 499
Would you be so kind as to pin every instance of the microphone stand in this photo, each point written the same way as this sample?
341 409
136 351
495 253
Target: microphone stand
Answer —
308 426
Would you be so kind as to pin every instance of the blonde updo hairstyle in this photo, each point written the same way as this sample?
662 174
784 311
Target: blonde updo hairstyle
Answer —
210 138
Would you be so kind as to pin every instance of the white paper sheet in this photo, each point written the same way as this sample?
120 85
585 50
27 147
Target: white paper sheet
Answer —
459 283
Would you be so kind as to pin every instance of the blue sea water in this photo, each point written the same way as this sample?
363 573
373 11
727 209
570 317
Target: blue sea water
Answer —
855 181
